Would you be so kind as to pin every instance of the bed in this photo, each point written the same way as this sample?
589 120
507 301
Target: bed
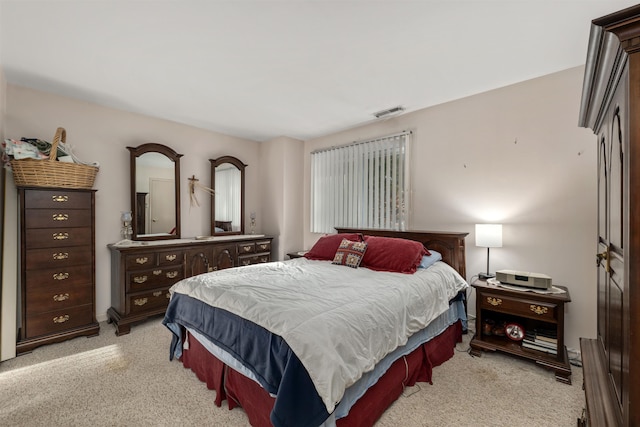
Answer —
313 342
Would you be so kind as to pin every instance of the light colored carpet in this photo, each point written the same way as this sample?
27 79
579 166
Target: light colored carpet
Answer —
129 381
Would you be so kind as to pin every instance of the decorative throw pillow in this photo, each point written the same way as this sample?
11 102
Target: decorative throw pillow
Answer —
325 248
350 253
393 254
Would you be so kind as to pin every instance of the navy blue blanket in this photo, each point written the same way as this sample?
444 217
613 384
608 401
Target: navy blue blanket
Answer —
267 355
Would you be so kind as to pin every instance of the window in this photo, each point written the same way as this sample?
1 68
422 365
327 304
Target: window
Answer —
364 185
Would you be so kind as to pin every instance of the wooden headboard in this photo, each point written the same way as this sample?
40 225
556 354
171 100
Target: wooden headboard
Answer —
449 244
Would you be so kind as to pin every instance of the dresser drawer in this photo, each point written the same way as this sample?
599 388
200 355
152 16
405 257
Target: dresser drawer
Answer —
170 258
58 257
519 306
246 248
56 199
148 301
263 246
54 218
67 276
140 261
58 320
57 237
154 278
58 297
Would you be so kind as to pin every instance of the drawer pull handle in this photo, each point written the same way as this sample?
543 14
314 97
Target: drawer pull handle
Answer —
61 276
140 279
140 301
157 272
60 199
494 301
246 261
142 260
60 255
172 274
60 236
60 297
171 257
264 247
539 310
157 293
61 319
264 259
246 248
60 217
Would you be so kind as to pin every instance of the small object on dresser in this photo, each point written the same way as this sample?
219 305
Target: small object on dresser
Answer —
127 230
499 329
487 327
514 331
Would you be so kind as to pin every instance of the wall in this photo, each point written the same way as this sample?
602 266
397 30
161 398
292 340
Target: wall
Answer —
102 134
282 193
8 240
514 155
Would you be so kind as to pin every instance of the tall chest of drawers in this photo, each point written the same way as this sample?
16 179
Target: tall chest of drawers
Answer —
57 266
141 274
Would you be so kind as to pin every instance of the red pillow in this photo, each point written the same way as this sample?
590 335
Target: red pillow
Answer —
326 247
393 254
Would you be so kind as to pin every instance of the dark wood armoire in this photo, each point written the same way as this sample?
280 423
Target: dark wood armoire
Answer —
611 108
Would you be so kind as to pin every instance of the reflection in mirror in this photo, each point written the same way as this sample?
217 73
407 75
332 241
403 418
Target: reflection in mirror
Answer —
227 203
155 192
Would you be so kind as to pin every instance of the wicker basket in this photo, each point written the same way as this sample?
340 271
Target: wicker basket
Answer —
52 173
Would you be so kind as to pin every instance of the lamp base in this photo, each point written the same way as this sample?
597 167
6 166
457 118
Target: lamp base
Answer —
485 276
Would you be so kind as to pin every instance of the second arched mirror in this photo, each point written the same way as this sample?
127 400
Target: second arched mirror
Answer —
155 192
227 203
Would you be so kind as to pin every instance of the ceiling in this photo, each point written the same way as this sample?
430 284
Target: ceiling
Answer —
260 69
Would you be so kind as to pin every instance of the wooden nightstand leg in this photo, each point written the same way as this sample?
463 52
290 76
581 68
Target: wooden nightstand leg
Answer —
563 377
475 352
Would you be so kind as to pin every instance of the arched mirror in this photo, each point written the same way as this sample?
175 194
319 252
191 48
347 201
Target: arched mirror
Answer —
227 203
155 192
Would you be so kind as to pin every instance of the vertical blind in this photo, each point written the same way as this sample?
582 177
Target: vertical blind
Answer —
364 184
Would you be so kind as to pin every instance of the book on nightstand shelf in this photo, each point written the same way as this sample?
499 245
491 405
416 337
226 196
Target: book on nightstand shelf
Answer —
534 346
541 340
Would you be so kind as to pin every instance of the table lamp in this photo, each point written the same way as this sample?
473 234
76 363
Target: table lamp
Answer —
488 236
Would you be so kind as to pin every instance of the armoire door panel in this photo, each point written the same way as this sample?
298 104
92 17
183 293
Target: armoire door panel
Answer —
602 188
616 183
615 341
602 305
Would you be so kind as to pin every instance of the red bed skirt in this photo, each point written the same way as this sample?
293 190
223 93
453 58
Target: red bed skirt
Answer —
239 390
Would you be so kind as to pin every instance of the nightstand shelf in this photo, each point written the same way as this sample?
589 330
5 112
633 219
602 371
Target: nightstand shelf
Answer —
532 311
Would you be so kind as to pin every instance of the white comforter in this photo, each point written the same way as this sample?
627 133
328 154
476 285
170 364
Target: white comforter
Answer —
339 321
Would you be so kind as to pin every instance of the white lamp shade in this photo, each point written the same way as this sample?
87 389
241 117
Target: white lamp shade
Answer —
489 235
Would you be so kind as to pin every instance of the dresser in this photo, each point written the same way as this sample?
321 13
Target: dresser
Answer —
610 107
57 266
142 273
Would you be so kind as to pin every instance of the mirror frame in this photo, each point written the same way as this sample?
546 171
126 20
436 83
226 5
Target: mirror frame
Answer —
241 166
135 152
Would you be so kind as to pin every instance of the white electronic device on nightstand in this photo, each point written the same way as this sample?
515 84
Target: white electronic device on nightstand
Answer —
522 278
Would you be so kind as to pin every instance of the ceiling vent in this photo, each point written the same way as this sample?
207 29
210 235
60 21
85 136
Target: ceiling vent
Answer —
389 112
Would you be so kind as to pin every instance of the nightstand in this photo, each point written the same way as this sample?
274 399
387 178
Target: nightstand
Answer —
293 255
534 312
